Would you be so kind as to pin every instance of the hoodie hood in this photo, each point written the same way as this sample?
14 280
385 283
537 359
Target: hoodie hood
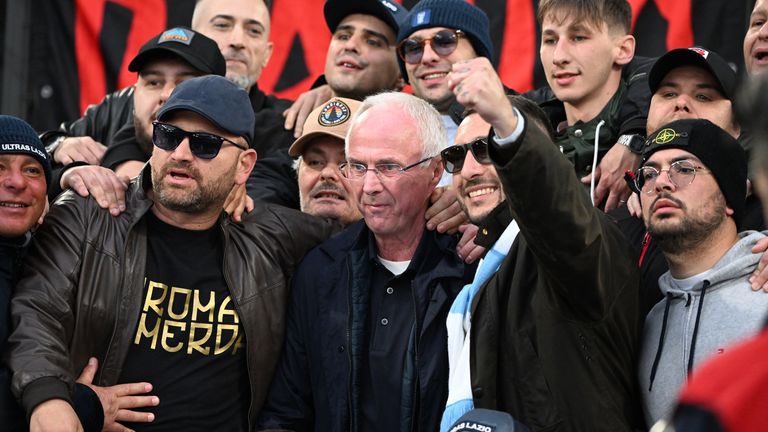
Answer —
739 261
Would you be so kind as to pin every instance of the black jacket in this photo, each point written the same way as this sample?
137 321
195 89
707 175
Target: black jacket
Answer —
79 294
555 331
317 385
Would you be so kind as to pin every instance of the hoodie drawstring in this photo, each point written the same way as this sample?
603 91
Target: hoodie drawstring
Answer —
696 326
661 340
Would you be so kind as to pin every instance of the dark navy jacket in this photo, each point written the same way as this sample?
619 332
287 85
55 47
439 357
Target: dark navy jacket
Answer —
317 384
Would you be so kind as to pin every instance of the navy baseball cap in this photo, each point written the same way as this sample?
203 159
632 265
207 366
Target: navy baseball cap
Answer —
217 99
488 421
199 51
695 56
386 10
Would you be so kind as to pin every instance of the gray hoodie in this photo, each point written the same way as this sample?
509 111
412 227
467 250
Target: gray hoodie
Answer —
717 312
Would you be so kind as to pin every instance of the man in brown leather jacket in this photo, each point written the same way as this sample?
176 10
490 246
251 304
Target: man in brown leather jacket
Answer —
171 295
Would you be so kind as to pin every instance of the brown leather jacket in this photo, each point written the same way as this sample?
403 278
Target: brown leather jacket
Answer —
81 290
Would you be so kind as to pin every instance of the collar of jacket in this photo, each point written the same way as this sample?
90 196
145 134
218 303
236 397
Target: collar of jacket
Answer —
491 228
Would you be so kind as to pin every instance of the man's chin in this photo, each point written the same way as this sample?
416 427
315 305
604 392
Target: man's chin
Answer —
240 80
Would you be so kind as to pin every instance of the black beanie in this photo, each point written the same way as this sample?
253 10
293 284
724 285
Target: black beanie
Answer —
715 148
17 137
452 14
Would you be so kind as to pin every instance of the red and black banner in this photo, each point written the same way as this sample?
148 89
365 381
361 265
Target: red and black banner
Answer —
79 49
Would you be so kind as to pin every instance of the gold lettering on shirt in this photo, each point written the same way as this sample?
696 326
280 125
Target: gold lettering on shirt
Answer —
152 301
208 307
181 322
176 291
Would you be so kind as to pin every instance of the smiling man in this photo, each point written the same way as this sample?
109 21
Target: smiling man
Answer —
584 46
692 186
435 35
547 330
196 302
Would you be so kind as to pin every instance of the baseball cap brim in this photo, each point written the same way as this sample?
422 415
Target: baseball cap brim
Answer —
336 10
145 57
298 146
717 67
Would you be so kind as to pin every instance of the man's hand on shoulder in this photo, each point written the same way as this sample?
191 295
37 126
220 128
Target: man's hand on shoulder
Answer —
297 114
444 213
106 187
53 416
79 149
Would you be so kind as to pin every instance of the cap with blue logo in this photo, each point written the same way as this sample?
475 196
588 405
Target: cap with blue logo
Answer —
388 11
216 99
199 51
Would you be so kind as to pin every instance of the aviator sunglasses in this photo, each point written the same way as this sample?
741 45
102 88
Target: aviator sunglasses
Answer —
443 43
454 156
201 144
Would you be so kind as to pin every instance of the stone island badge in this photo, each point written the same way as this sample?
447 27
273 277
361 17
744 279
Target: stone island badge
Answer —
334 113
665 135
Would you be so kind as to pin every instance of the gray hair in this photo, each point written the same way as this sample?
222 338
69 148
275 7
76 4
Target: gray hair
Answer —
430 129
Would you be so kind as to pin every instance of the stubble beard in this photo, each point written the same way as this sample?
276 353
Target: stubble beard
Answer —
205 197
693 230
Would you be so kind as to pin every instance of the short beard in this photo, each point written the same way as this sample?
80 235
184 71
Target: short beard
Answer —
143 138
207 196
693 230
243 81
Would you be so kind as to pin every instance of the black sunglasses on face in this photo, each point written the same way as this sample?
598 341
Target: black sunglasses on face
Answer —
201 144
443 43
454 156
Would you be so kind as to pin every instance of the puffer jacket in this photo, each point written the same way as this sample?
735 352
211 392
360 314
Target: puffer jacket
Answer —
317 386
81 290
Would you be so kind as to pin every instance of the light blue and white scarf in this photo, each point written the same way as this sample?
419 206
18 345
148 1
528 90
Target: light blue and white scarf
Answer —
459 325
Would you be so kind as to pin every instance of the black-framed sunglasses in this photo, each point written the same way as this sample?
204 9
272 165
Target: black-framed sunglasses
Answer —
454 156
443 43
202 144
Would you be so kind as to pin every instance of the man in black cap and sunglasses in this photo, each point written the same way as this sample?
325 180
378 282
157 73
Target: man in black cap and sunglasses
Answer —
548 330
170 294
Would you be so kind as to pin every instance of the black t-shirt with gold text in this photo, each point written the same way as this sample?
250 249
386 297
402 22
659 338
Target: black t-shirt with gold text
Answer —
189 343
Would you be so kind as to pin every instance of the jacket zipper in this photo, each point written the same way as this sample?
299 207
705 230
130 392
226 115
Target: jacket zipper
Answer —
416 337
242 324
349 349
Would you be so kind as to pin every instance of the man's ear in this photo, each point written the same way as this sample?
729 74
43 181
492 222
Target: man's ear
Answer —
437 174
625 50
245 163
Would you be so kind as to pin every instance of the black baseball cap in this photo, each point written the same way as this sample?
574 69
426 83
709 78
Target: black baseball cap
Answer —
694 56
199 51
217 99
386 10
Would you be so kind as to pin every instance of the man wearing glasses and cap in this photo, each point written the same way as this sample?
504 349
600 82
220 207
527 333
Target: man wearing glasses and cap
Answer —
548 329
692 185
365 346
170 294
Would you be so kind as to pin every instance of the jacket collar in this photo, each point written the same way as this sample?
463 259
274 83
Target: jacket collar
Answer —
491 228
